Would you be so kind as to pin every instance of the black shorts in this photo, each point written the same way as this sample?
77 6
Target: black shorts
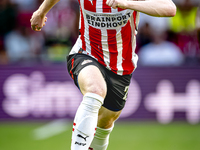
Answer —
117 86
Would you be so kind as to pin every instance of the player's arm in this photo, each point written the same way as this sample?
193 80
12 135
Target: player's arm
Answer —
158 8
39 18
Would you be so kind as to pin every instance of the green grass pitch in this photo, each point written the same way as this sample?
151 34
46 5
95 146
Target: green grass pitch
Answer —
125 136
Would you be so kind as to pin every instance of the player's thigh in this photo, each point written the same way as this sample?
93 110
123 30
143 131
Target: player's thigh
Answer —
90 79
107 117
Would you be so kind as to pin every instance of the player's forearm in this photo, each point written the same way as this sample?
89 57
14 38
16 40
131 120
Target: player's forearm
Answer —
46 6
158 8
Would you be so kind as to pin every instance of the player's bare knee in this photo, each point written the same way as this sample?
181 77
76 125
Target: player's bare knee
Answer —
99 90
92 83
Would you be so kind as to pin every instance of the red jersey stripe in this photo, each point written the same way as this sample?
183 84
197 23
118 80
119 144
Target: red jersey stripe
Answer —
106 8
90 5
127 63
82 31
95 43
112 46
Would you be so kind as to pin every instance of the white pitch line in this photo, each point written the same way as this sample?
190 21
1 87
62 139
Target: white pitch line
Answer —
51 129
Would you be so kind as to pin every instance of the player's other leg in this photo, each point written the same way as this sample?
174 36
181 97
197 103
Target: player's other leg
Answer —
105 125
94 89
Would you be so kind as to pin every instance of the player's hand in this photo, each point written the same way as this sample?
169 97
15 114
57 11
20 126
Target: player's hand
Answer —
117 3
37 21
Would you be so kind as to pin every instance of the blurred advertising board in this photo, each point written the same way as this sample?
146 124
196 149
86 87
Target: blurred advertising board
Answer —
48 92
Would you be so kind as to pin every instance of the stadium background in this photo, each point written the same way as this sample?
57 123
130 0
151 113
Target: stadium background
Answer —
38 99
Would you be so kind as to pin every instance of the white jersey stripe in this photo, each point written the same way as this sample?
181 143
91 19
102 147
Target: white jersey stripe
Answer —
119 57
119 48
104 41
99 6
114 10
133 31
79 41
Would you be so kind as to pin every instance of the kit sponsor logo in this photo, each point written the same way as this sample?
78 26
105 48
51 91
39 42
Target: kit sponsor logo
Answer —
81 144
107 20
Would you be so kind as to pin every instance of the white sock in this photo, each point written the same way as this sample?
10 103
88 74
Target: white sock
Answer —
101 139
85 121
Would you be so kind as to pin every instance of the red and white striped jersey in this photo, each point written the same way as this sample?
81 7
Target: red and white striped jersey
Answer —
108 35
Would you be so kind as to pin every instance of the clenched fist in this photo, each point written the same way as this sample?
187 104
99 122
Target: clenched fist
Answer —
37 21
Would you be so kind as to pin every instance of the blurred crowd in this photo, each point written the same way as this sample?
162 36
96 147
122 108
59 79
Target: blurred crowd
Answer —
160 41
20 45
